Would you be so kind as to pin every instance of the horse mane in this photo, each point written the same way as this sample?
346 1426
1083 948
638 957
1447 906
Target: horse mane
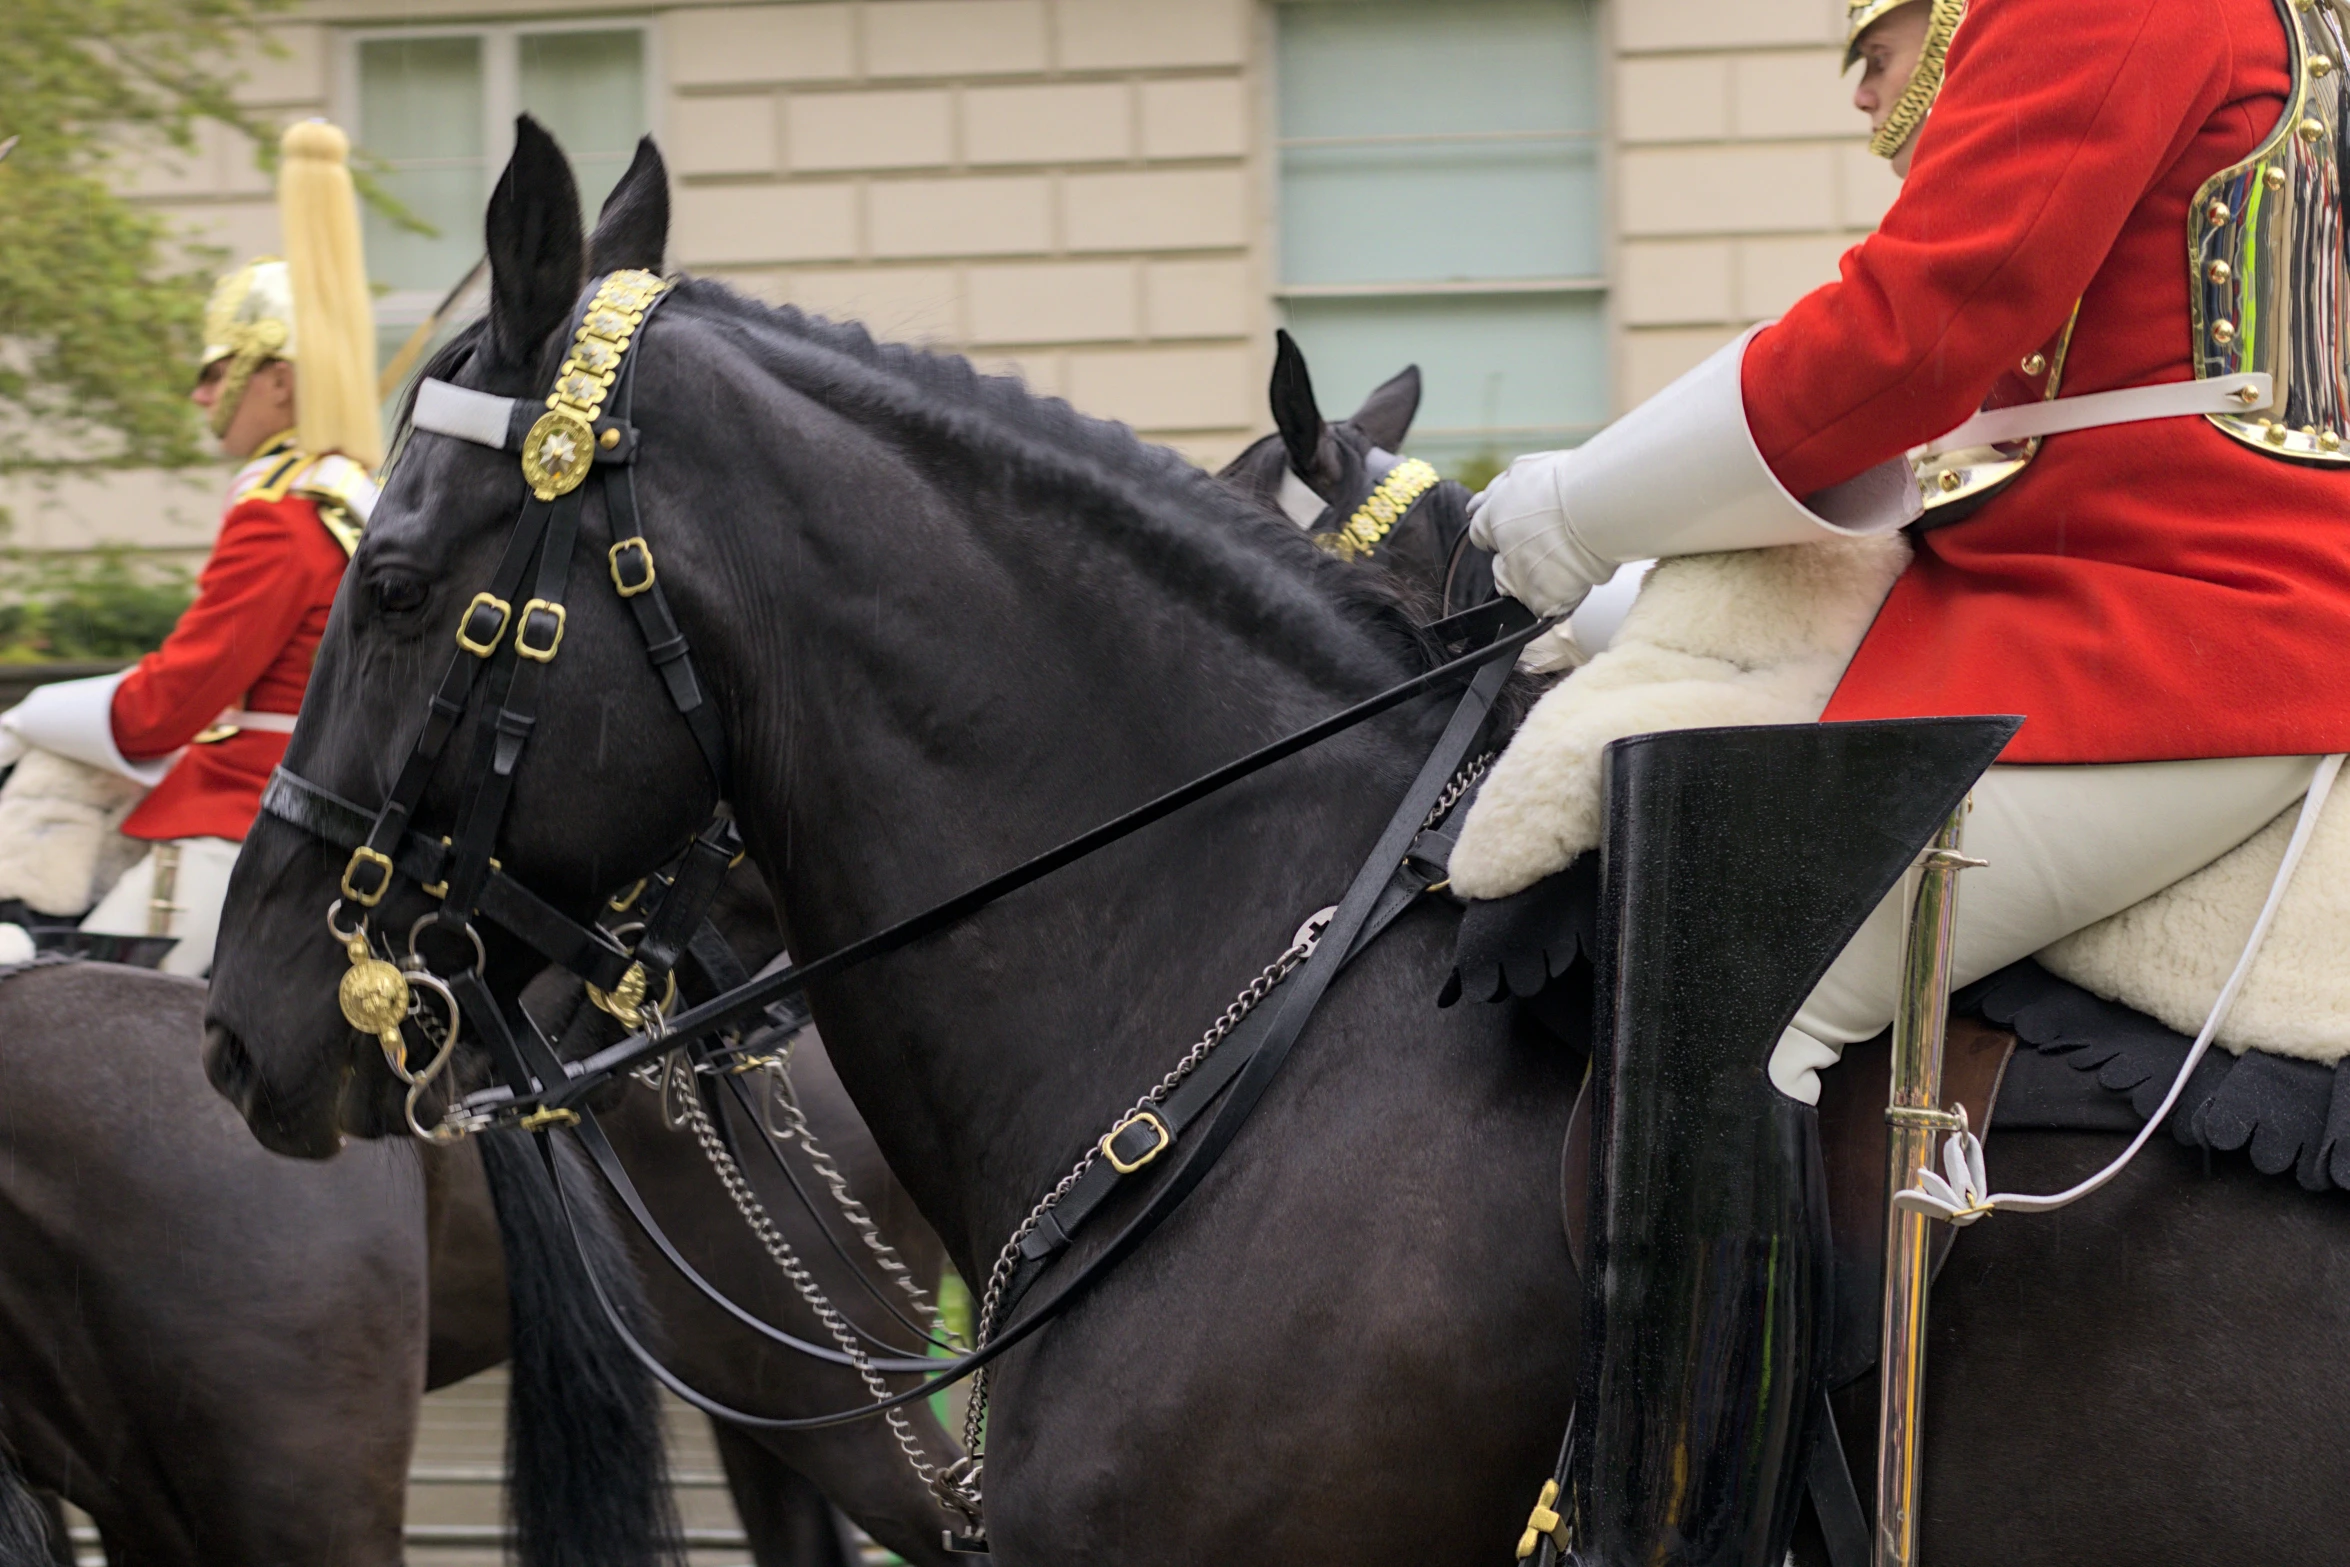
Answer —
1142 498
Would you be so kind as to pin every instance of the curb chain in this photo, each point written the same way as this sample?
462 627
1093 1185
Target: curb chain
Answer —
754 1213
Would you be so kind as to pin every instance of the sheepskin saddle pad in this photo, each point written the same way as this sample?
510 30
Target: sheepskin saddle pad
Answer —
1762 637
61 844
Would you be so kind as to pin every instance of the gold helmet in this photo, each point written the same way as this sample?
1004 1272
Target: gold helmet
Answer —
313 307
249 321
1909 110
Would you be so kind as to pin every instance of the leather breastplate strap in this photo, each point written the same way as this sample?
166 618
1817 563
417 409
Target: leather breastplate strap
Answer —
1139 1141
1256 1046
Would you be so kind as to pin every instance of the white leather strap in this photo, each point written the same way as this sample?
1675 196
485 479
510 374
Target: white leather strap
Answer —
267 723
470 416
2227 394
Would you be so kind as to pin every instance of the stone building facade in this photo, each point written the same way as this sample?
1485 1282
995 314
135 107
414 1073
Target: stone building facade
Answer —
1089 193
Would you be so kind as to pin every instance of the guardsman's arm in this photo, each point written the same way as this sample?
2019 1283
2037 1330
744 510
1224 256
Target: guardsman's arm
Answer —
245 611
2053 124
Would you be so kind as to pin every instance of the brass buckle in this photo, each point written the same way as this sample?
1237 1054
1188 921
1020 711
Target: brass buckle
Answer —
639 548
477 646
440 889
1146 1117
626 1000
523 647
363 855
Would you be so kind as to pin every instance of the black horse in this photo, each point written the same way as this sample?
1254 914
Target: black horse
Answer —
218 1353
947 624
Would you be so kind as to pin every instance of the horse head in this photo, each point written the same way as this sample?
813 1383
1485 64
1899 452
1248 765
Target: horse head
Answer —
277 1043
1309 466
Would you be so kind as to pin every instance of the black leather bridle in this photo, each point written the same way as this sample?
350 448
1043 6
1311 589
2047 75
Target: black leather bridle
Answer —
500 658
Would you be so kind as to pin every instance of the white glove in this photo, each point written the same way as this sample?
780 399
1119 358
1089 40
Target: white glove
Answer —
1553 651
1521 518
12 744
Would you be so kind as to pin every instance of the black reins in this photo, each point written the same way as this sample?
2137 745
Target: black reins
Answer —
502 654
1291 1006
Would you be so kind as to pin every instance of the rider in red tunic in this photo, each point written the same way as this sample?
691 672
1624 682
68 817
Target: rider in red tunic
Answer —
288 382
2119 239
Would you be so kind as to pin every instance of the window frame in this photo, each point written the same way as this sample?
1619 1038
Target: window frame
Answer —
1271 145
501 75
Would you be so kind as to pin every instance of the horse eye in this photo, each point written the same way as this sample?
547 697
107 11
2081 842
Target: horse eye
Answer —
399 595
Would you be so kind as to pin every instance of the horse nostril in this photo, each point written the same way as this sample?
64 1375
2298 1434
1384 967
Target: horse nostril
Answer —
227 1064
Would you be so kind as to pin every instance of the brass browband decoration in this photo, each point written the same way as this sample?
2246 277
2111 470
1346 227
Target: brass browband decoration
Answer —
561 447
1395 495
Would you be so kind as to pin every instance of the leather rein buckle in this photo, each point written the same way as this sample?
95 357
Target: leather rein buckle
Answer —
483 625
632 566
1155 1138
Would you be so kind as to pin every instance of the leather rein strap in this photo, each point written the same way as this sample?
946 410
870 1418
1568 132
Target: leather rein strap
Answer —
1253 1066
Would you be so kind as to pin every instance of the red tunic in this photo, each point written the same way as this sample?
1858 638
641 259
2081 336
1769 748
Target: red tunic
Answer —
2143 592
246 642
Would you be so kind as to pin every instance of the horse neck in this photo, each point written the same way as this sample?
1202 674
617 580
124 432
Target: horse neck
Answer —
945 688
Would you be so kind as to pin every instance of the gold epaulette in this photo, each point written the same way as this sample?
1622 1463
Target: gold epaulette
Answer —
267 477
344 493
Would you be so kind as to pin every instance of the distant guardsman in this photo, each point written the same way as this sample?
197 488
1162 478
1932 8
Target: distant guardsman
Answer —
2094 359
288 382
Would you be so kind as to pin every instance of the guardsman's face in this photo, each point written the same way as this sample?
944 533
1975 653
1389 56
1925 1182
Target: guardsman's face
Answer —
1889 53
266 408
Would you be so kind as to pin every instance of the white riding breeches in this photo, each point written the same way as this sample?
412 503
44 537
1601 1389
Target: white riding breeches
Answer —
199 888
2066 847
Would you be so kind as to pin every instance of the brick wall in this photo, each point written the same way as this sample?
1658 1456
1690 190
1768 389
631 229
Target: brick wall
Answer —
1062 188
1742 173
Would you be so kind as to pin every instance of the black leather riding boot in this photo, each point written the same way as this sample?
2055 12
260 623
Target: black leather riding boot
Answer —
1736 866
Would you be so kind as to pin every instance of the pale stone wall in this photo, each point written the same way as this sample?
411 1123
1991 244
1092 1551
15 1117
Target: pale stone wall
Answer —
1062 188
1080 191
1742 172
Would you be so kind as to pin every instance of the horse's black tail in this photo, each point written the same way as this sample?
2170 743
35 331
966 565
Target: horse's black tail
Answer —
24 1522
588 1480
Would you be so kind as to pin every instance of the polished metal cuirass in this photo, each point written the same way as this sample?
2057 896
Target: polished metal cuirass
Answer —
2271 278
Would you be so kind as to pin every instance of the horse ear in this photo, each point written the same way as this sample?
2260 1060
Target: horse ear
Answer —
534 246
633 229
1386 415
1295 413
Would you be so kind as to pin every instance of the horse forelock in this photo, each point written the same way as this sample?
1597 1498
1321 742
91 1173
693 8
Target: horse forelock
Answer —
1122 493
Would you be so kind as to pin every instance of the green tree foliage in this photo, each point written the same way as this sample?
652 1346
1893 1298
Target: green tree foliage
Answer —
103 606
99 312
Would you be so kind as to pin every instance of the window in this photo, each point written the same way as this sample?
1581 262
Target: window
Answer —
1440 203
434 111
